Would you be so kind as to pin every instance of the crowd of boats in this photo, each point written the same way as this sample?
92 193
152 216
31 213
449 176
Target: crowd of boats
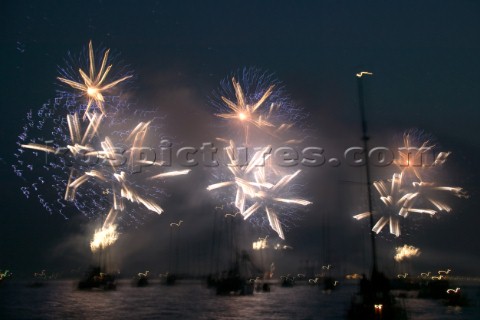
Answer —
376 297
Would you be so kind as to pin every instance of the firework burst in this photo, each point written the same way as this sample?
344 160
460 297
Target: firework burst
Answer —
269 197
239 173
102 156
406 252
408 191
416 157
254 100
104 238
397 204
251 99
93 84
400 200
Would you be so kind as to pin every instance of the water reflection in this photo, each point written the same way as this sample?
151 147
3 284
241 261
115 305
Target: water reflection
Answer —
60 300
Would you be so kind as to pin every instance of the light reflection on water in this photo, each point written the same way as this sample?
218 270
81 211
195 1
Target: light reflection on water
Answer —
60 300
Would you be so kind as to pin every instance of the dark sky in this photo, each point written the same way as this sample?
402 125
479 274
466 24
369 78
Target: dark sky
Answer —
425 57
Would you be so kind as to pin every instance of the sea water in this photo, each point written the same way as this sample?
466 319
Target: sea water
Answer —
192 300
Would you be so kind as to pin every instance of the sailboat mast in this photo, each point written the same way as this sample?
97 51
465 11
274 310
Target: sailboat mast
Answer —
365 138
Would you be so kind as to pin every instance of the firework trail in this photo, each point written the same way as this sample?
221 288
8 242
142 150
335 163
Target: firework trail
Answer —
400 200
256 101
47 131
111 175
269 196
239 173
255 104
396 202
416 158
104 238
102 156
408 191
92 85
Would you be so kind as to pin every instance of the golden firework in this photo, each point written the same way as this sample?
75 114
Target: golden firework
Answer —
93 84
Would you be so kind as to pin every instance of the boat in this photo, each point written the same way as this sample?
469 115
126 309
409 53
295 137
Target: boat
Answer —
287 281
441 289
405 284
168 279
456 298
374 299
232 283
261 285
4 275
238 280
95 279
39 280
329 284
141 280
239 273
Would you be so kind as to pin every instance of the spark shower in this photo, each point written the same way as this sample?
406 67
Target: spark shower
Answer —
91 119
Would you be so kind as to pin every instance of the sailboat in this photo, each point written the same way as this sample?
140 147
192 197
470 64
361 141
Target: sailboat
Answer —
374 300
98 277
329 282
39 279
169 278
97 280
141 279
235 281
239 276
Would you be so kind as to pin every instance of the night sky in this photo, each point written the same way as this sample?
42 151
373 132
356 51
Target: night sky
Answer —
425 56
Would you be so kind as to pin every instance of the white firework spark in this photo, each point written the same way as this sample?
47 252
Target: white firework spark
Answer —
257 101
401 199
267 196
414 157
104 238
244 112
81 144
239 171
406 252
93 83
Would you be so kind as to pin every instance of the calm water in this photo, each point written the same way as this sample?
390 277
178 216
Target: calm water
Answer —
59 300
